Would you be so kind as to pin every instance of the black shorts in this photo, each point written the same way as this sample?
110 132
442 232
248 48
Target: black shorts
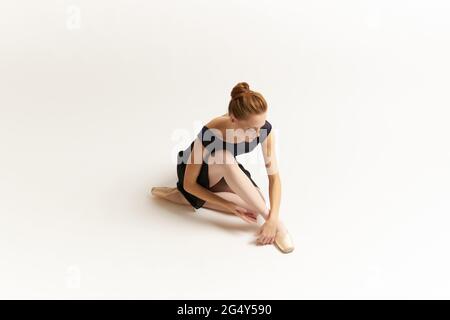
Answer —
202 180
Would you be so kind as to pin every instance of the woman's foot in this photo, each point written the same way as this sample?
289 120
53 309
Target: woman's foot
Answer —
283 241
170 194
162 192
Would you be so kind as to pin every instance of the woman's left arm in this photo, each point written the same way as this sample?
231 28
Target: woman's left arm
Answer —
271 163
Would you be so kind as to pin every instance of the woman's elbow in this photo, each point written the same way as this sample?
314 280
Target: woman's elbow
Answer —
189 187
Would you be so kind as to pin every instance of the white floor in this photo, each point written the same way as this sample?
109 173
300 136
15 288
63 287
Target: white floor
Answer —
93 110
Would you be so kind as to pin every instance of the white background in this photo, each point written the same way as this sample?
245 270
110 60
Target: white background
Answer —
95 97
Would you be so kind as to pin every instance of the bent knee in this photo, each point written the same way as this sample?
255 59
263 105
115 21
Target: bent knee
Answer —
222 156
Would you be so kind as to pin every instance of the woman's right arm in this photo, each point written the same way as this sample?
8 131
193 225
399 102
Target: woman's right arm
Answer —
193 167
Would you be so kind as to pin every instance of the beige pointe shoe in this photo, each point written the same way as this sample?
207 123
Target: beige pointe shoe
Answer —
161 191
284 242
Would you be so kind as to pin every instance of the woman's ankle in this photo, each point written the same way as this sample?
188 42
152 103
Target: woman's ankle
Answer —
281 227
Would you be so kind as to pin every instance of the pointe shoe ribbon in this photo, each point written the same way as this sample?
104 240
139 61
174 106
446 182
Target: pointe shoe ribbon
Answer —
284 242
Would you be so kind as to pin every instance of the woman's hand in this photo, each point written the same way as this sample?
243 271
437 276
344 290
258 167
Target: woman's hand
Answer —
267 232
241 212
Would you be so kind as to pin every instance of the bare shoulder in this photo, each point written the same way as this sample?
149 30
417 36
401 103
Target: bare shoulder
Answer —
219 122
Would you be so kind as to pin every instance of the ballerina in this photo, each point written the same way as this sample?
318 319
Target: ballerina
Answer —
210 176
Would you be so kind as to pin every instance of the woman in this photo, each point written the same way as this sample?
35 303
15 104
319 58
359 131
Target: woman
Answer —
209 175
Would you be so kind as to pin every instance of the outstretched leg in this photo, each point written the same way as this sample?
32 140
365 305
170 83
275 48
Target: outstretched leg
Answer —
221 189
171 194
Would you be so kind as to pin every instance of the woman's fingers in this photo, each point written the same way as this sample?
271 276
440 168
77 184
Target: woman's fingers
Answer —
245 217
241 209
244 214
251 218
246 211
252 214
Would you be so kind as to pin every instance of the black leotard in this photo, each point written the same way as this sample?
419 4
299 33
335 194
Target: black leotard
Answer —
212 142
